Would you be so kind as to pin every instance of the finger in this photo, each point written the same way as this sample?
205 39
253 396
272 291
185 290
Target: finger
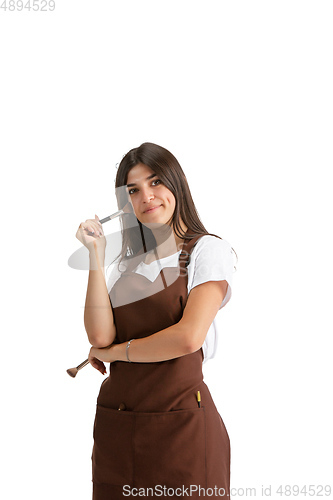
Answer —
101 366
90 229
97 220
94 221
86 227
97 229
97 224
93 226
100 369
98 365
83 232
94 364
86 231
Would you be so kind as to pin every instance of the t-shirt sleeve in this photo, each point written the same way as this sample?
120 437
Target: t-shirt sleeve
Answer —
213 261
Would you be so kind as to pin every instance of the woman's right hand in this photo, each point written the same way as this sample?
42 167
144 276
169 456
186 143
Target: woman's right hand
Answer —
90 234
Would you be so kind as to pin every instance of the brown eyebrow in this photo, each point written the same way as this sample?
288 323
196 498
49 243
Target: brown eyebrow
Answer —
150 177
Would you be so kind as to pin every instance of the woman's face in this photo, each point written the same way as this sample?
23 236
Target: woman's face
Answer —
152 201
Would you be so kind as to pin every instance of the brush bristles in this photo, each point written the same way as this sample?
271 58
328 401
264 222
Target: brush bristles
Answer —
72 372
128 208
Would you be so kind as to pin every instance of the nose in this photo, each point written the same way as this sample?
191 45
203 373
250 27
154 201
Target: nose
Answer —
147 194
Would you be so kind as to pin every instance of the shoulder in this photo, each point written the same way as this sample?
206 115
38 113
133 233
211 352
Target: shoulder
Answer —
212 246
211 260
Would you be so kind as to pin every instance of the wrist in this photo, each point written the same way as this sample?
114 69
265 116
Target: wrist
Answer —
120 352
96 249
96 257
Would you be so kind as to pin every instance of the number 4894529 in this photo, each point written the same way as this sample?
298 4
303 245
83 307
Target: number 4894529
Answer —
42 5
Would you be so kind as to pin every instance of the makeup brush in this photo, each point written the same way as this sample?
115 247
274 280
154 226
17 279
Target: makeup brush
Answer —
73 371
127 209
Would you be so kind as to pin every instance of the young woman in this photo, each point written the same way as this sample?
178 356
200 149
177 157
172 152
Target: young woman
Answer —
157 430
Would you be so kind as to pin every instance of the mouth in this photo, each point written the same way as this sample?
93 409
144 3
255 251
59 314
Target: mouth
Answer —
153 209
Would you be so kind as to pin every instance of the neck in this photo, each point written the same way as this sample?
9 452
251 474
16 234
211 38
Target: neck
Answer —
167 241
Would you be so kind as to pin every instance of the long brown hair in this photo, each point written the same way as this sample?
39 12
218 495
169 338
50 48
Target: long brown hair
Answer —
167 168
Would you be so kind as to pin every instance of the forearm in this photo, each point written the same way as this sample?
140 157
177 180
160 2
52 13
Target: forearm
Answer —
98 316
166 344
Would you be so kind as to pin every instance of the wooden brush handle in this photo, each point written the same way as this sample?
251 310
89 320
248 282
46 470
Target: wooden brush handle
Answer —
86 362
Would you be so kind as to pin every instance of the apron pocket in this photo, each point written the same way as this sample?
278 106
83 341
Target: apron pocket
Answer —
112 456
170 448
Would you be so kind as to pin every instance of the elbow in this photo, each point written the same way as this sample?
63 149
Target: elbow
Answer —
192 340
193 346
99 344
101 339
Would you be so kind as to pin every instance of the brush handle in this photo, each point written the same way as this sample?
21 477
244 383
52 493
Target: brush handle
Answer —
110 217
86 362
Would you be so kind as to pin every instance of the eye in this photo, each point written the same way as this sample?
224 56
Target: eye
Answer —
132 190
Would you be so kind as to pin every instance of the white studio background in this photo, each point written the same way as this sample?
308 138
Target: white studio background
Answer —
241 94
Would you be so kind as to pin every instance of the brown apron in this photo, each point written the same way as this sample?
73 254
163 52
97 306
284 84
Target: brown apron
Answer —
161 439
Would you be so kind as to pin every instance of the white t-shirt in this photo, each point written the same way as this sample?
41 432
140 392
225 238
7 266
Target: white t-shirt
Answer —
211 260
